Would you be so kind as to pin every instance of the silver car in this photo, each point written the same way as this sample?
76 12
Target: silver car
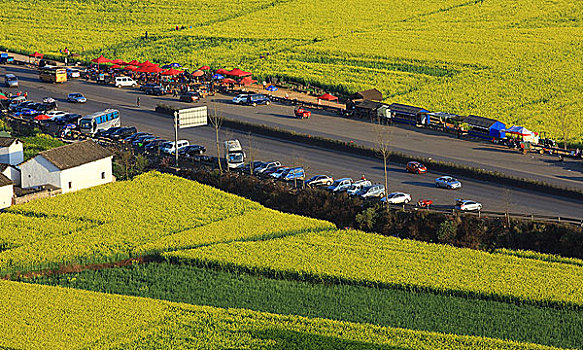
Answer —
76 97
373 191
448 182
397 198
357 186
467 205
241 98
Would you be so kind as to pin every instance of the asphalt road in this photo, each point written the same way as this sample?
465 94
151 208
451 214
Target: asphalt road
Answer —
315 160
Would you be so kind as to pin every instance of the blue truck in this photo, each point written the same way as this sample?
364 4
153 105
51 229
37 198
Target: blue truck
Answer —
5 58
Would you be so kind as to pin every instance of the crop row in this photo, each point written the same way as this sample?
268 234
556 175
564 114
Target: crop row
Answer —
151 213
372 260
57 318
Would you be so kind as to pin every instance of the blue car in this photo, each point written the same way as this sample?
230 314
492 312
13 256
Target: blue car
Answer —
294 174
257 99
27 112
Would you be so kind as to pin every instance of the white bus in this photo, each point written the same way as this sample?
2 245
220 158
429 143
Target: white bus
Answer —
234 154
99 121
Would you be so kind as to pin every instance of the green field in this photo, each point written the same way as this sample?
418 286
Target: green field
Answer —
383 307
519 62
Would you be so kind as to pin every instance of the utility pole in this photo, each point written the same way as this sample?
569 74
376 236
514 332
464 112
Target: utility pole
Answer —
176 137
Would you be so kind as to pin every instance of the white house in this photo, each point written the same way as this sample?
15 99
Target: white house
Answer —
11 172
72 167
11 151
6 192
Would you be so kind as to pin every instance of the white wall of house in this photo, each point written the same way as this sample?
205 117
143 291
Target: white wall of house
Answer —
6 193
12 155
39 171
87 175
13 174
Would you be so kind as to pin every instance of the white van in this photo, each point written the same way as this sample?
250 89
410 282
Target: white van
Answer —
124 82
168 147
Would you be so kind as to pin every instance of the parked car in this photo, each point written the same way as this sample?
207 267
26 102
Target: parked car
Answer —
46 106
373 191
191 151
267 165
107 133
124 82
148 86
56 114
397 198
424 203
69 118
357 186
123 132
154 145
340 185
467 205
170 147
26 112
142 140
319 180
448 182
271 170
302 112
134 136
256 165
257 99
279 172
293 174
73 73
240 99
190 96
156 90
76 97
416 168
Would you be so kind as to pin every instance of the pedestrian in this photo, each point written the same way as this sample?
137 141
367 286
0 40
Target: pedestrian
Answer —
25 94
138 101
363 177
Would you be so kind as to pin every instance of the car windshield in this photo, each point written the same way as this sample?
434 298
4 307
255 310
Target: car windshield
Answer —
76 95
235 158
86 124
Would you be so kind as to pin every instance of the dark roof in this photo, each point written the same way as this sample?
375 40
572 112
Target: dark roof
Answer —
364 104
7 141
405 109
371 95
3 167
4 181
482 122
75 154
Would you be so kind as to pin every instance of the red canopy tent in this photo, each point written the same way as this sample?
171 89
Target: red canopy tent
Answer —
116 66
133 62
172 71
130 67
100 60
3 97
328 97
238 73
228 81
222 71
197 73
205 68
37 55
149 69
247 81
145 63
120 62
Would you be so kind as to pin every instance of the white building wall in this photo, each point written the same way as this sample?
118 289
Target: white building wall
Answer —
39 171
6 193
86 175
12 155
13 174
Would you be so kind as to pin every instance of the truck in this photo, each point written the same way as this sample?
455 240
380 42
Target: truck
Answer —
99 121
234 155
5 58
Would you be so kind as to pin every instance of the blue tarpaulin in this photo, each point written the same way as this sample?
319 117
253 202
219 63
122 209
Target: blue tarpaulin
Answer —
271 88
218 77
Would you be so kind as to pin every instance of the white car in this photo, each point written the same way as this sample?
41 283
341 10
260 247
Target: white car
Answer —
448 182
268 165
76 97
340 185
397 198
239 99
467 205
125 82
357 186
56 114
73 73
169 147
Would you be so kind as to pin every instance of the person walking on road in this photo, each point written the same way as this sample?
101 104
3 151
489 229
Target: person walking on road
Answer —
138 101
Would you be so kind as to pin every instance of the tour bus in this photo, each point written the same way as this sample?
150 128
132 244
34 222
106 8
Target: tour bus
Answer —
52 74
99 121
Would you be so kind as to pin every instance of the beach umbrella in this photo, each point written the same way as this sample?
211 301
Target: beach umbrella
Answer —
271 88
172 71
238 73
197 73
204 68
218 77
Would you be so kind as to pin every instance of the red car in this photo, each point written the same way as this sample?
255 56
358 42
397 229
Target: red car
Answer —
302 113
416 168
424 203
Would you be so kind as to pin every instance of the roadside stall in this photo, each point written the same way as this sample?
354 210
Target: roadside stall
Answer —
485 128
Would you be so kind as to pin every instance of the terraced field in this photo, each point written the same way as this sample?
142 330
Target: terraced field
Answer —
519 62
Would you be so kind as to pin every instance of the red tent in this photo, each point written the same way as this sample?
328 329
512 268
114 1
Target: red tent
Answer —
42 117
37 55
172 71
205 68
197 73
133 62
100 60
149 69
238 73
228 81
120 62
116 66
247 81
2 97
222 71
327 97
146 63
131 68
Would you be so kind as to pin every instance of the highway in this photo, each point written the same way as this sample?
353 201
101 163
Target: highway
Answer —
315 160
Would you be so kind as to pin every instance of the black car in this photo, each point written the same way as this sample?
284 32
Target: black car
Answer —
143 140
107 133
256 165
123 132
135 136
156 91
192 150
148 86
70 118
257 99
153 145
190 96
